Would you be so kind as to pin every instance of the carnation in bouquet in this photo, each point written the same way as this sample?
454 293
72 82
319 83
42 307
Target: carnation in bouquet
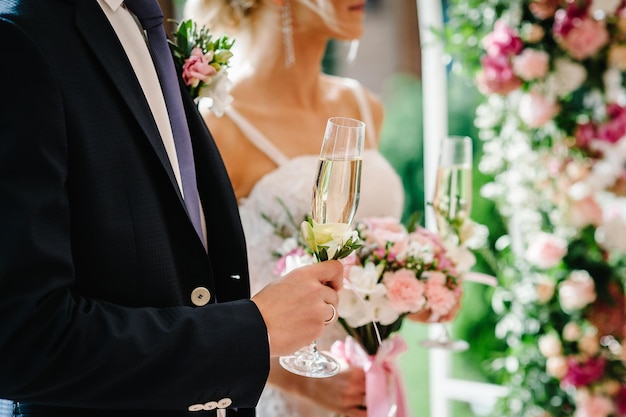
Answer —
204 60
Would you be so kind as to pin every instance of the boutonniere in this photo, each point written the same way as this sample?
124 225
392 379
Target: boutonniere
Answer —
204 61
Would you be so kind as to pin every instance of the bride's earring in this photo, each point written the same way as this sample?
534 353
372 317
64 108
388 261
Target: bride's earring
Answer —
352 50
287 29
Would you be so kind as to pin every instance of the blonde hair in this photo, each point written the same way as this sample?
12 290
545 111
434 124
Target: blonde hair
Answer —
230 16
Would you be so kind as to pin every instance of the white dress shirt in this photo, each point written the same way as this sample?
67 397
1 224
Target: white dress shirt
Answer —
132 37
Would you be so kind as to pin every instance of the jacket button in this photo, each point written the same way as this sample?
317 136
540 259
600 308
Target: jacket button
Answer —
211 405
196 407
224 403
200 296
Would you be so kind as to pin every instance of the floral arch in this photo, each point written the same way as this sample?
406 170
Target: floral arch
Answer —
552 124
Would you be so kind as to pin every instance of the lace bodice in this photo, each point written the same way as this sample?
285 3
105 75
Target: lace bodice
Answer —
292 181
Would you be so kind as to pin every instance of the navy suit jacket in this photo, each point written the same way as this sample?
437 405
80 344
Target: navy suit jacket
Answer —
98 258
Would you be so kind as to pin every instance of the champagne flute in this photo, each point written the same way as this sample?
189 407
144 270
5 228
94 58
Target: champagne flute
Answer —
451 206
336 194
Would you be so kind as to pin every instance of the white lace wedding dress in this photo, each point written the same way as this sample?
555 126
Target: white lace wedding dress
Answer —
292 181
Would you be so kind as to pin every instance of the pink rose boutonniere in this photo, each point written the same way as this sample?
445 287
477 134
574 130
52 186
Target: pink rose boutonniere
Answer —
204 61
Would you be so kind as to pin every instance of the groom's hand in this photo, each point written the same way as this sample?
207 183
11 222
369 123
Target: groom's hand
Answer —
296 307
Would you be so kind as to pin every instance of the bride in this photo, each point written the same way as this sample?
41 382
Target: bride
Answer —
270 138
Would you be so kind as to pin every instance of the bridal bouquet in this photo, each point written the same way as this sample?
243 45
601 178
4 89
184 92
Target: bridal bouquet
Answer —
553 124
395 273
204 62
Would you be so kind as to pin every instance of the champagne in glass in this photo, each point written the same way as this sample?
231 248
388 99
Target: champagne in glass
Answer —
451 206
336 194
337 190
453 198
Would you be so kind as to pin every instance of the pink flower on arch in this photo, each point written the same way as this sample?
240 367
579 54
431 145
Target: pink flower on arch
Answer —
546 250
536 110
578 33
531 64
544 9
620 401
615 128
502 41
497 75
594 406
584 373
585 134
586 211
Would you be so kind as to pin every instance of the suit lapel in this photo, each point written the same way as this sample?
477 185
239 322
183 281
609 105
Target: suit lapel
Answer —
100 36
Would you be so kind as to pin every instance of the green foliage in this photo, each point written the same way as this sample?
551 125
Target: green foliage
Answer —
401 140
468 23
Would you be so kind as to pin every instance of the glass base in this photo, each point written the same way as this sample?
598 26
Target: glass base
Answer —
311 364
453 345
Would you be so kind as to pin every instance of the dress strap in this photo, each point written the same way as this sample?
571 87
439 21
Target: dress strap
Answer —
364 110
255 137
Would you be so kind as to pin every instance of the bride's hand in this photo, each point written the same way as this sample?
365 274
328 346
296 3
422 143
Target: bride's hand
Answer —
343 394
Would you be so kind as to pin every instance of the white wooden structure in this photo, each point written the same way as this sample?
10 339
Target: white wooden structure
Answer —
443 388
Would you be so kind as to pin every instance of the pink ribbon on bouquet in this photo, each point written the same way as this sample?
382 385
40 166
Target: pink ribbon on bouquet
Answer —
383 383
480 278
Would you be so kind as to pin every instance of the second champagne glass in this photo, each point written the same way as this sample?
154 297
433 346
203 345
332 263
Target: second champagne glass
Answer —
452 204
336 193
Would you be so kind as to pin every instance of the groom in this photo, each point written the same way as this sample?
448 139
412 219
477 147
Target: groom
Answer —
111 304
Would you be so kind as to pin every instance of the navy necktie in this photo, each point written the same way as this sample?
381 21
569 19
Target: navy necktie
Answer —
150 16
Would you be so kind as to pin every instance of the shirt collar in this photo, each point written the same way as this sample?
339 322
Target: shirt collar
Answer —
113 4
